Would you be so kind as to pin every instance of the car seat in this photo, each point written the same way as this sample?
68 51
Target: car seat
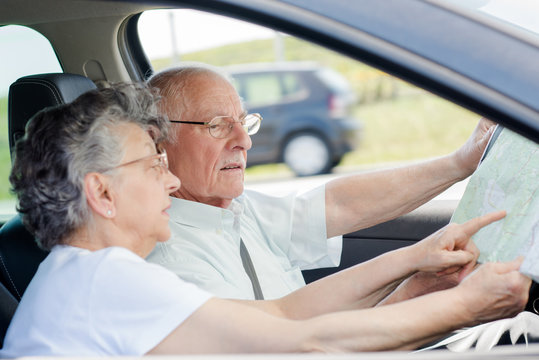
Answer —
20 255
8 304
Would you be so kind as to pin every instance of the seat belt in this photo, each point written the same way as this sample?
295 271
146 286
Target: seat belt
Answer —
250 270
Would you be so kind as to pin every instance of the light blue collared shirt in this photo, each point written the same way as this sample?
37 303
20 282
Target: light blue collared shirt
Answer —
283 235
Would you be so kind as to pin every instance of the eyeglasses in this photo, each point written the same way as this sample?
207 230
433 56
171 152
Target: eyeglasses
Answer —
221 126
158 160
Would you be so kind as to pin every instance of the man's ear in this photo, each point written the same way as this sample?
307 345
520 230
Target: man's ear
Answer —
98 194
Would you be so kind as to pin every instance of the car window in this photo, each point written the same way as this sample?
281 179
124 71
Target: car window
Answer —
356 117
519 15
20 47
291 84
260 89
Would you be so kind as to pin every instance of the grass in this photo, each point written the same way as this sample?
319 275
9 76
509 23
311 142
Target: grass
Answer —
410 128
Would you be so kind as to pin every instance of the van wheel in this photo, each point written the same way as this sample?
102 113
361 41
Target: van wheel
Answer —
307 154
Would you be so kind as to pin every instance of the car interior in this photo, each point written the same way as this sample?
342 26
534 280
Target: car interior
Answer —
19 254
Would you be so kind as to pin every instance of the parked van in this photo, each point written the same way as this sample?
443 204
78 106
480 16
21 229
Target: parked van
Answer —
306 110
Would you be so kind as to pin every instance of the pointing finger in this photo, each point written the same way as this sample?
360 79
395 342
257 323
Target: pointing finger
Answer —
472 226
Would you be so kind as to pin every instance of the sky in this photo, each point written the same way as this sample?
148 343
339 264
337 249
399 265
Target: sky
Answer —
205 31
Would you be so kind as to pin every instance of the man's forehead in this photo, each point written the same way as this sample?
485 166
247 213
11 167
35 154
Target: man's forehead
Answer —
217 104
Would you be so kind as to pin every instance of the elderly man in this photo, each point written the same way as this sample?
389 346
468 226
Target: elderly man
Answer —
214 221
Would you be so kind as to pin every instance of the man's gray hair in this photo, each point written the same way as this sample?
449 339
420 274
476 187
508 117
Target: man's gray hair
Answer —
174 86
65 143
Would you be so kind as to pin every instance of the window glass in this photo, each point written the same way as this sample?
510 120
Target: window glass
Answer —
519 15
261 89
24 52
371 119
291 84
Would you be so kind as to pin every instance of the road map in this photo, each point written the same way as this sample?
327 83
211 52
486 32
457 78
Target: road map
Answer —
506 179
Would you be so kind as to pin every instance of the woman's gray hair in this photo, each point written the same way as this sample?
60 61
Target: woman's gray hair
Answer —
63 144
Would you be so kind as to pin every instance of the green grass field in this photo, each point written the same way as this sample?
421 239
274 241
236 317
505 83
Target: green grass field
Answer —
401 122
407 128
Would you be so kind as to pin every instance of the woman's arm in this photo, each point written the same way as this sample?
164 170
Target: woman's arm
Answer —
226 326
450 249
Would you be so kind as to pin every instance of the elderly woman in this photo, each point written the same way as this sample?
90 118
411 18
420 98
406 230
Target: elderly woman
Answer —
93 187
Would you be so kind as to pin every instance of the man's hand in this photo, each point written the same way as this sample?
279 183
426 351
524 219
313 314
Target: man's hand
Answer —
451 248
467 157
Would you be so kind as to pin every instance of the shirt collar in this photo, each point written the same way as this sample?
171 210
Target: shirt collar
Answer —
202 216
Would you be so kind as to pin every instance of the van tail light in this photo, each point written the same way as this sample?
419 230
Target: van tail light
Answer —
337 106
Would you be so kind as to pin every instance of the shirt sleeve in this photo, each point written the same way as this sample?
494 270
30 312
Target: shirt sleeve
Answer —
297 224
135 305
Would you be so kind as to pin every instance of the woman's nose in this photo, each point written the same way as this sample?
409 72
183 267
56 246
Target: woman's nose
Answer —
172 182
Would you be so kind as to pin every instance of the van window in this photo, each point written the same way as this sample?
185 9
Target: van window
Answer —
261 89
24 52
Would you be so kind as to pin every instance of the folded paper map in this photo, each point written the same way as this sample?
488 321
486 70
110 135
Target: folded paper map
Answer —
507 179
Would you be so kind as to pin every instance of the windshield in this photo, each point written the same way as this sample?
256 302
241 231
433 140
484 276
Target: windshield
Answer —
519 15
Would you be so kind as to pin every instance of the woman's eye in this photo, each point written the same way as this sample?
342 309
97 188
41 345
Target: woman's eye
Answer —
155 164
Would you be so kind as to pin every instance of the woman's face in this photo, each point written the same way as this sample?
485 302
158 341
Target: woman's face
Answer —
142 185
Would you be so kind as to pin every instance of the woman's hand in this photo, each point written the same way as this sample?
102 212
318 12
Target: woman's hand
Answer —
495 290
451 248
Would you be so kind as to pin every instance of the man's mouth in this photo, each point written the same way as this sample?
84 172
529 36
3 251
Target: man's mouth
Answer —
231 167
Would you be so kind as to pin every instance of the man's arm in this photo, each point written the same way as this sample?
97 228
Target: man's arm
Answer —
225 326
360 201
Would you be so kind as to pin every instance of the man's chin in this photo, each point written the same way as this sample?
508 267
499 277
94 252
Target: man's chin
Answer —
233 192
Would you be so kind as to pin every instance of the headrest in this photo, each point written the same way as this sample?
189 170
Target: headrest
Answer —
32 93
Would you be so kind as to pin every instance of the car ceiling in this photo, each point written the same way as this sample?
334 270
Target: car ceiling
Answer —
31 12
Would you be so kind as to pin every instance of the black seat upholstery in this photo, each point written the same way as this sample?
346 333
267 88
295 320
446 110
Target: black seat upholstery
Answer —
8 304
20 255
32 93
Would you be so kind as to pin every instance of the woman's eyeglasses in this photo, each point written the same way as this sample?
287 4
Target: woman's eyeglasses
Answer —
221 126
159 159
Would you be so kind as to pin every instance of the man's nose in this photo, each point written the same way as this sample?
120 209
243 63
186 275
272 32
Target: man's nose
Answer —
239 137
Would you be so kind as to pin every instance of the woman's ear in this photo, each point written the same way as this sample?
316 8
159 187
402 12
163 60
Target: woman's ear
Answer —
99 195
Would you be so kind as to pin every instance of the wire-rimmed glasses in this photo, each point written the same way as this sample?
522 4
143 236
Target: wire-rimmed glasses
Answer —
221 126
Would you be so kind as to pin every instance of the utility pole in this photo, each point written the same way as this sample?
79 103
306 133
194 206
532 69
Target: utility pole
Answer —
278 47
175 52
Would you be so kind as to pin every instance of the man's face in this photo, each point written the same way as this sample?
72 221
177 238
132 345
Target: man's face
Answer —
211 170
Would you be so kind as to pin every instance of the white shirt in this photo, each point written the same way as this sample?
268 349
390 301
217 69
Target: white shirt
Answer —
282 234
95 303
